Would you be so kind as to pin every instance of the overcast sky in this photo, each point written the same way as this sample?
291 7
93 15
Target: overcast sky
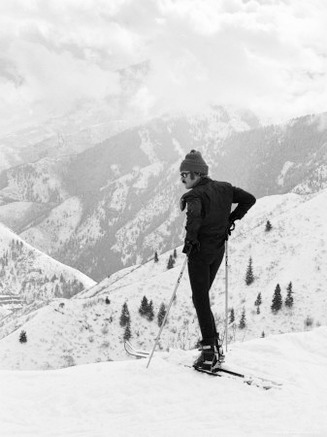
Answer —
265 55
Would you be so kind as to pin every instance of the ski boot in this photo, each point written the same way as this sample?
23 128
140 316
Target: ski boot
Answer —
208 361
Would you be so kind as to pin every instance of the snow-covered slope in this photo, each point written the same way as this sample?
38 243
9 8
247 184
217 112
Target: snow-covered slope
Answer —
124 399
28 275
87 328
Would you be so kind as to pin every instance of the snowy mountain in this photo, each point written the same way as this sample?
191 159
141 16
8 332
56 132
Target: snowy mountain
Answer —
30 278
113 205
93 209
60 136
87 328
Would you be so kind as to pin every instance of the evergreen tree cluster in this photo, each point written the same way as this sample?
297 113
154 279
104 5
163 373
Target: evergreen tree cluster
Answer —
15 251
242 322
277 301
172 260
146 309
23 337
66 289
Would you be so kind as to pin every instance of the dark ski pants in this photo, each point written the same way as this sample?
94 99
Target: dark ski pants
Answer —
202 268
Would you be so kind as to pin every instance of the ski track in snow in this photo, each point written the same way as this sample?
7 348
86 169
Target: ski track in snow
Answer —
126 399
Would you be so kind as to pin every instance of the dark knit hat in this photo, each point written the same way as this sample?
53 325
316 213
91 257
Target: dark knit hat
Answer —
194 162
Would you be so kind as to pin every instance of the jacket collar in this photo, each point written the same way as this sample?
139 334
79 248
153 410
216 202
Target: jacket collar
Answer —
203 181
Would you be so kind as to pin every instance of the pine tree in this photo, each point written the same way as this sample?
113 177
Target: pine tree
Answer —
232 316
175 254
23 337
263 334
125 316
289 298
171 262
258 302
107 300
150 312
156 258
161 314
242 323
268 226
144 306
127 332
277 300
249 278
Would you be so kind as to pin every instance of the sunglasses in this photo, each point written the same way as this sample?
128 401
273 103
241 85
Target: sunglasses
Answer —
184 174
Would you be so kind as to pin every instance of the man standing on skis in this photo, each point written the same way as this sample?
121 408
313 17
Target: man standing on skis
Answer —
209 221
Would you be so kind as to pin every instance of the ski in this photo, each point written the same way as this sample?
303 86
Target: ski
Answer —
258 381
134 352
263 383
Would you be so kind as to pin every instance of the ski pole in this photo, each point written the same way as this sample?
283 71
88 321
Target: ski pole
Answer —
226 293
228 232
167 312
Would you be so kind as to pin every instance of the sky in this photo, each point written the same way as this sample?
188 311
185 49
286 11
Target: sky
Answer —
269 56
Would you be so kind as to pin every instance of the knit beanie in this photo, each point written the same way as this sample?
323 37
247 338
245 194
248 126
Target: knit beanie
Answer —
194 162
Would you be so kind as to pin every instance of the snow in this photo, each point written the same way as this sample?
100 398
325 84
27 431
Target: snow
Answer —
145 175
40 260
14 210
125 399
147 147
127 235
285 169
60 224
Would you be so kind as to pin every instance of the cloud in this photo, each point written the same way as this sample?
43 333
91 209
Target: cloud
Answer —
268 56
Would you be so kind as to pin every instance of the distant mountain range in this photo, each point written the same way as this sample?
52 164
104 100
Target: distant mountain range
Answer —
114 204
87 328
85 125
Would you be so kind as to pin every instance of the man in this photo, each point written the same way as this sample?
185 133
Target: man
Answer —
209 221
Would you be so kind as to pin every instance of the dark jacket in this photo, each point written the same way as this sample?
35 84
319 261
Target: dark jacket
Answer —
209 205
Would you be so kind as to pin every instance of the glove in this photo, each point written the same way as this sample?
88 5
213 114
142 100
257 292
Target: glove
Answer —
191 246
231 227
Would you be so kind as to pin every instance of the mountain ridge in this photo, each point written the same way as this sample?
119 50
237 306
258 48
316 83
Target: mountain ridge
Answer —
30 278
118 202
294 250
